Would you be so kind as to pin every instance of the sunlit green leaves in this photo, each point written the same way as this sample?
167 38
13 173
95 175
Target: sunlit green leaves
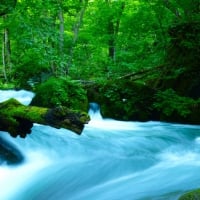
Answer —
136 31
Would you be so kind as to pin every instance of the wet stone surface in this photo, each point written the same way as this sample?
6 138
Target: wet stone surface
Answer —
9 154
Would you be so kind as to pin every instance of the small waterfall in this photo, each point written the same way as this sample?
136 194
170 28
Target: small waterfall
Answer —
106 123
94 111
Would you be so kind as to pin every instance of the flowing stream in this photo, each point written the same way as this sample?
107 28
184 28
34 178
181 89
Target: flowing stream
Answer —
111 160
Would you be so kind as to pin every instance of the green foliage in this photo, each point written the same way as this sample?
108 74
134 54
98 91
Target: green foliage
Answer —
138 37
143 35
6 6
31 67
169 102
6 86
124 99
184 45
61 92
138 41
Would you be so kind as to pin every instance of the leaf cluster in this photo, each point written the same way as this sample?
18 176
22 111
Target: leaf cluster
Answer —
169 102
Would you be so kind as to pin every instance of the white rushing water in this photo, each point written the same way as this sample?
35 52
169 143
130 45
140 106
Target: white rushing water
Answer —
22 96
111 160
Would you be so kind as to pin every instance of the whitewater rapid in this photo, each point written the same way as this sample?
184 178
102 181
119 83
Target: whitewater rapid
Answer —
111 160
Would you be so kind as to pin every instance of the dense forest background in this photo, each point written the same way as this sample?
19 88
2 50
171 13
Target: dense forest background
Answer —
151 42
96 39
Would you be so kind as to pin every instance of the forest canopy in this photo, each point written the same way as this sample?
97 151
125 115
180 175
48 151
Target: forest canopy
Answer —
93 39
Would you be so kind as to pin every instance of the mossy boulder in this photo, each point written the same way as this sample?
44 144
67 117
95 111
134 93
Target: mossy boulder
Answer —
127 100
123 99
61 92
192 195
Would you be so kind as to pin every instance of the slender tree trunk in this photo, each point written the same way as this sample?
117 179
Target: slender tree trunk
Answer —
113 29
54 67
63 68
111 41
172 8
8 51
162 36
6 54
62 29
3 60
76 29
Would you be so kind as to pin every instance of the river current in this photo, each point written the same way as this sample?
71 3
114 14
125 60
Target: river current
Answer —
110 160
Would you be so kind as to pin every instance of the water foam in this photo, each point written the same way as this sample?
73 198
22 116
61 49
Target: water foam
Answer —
22 96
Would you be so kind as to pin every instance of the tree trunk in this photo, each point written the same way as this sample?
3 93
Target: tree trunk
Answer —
6 54
111 41
62 29
63 68
18 119
76 29
172 8
3 61
113 29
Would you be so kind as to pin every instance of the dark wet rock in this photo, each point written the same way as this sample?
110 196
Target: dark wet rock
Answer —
9 154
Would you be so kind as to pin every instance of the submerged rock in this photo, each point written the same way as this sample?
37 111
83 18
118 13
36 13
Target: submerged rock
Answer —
9 154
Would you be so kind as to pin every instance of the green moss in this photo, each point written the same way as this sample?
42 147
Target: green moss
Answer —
18 119
84 117
12 108
193 195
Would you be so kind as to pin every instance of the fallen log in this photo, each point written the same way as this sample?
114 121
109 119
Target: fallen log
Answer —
136 75
18 119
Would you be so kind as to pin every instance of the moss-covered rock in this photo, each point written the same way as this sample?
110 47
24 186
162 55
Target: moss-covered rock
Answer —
192 195
61 92
123 99
18 119
127 100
